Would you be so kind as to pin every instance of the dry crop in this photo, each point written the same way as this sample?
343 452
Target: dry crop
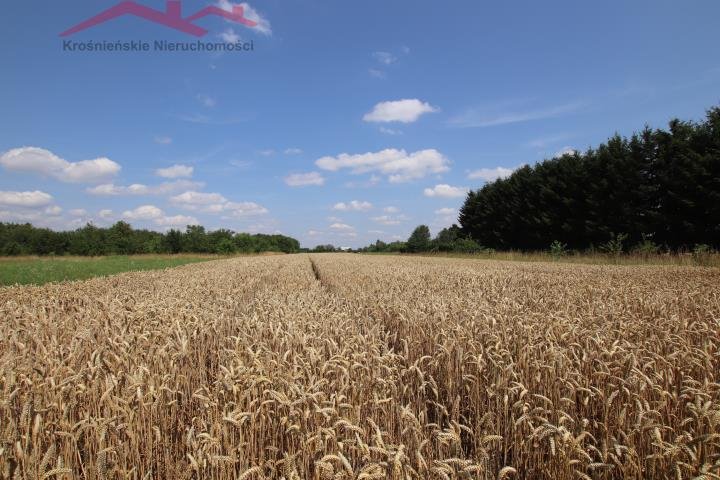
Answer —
350 367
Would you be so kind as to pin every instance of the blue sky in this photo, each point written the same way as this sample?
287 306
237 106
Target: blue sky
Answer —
349 121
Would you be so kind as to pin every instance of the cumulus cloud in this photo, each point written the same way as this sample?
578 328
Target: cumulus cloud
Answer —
167 188
176 171
176 221
25 199
446 191
305 179
565 151
341 227
391 209
163 140
343 230
151 213
404 111
293 151
26 209
445 211
145 212
44 162
198 198
78 212
491 174
53 210
243 209
388 219
446 215
105 214
354 206
217 204
398 165
263 24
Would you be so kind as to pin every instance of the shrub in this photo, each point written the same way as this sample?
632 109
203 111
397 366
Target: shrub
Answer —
558 249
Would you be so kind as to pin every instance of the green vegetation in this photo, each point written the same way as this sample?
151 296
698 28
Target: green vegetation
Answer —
650 199
26 271
122 239
449 240
658 190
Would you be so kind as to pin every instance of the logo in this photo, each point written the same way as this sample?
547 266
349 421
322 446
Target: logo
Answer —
171 17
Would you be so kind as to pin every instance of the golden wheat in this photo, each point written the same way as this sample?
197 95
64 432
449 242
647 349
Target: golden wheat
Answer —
350 367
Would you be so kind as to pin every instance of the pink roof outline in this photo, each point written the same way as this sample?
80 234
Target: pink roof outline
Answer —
172 17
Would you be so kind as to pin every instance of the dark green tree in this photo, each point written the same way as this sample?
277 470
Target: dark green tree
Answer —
419 240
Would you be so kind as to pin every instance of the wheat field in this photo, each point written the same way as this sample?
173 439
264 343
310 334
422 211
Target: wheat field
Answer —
359 367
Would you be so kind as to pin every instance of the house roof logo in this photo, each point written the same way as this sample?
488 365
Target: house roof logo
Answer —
171 17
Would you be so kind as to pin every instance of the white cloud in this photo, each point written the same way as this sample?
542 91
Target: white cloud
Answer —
293 151
22 216
230 36
78 212
263 24
389 220
154 214
370 182
341 227
491 174
374 72
446 191
145 212
397 164
89 171
314 233
105 214
167 188
391 209
478 118
193 198
163 140
206 100
176 171
177 221
25 199
565 151
215 203
343 230
305 179
44 162
386 58
445 211
405 111
390 131
244 209
267 153
355 206
53 210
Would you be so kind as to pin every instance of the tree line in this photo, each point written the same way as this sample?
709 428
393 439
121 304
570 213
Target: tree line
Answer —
657 189
451 239
123 239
